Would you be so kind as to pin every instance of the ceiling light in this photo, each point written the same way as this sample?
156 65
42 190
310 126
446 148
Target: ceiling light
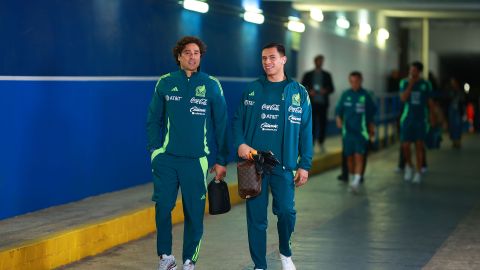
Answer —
316 14
343 23
364 29
295 25
383 34
195 5
254 16
466 87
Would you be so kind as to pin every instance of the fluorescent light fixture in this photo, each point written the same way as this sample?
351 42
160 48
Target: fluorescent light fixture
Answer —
195 5
295 25
364 29
383 34
343 23
466 87
254 16
316 14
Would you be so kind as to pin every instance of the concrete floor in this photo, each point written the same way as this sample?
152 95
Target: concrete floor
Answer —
389 225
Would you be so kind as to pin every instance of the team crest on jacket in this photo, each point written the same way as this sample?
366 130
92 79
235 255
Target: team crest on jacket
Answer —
296 99
200 91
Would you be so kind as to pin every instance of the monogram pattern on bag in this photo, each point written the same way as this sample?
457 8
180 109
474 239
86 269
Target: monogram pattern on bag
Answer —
249 181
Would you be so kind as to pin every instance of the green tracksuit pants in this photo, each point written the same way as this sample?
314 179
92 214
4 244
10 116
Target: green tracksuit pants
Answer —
283 191
169 173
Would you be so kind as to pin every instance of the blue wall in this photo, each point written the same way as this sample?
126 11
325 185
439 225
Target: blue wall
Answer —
62 141
127 37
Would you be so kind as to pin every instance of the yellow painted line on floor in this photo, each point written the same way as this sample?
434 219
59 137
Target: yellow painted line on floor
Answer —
68 246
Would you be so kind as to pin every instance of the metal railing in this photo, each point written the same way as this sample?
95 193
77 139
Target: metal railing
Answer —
388 111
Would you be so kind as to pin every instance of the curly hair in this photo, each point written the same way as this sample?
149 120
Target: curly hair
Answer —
180 46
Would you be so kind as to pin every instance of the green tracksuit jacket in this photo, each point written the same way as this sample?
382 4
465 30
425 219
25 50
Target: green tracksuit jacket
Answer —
179 115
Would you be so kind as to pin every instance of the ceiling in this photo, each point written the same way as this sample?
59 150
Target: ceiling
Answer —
435 9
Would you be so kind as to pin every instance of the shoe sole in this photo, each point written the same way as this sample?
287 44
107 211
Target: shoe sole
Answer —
173 268
354 190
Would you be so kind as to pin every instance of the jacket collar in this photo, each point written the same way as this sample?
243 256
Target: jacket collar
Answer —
263 79
184 74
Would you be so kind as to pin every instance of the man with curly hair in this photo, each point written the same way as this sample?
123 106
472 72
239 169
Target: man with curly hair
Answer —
183 104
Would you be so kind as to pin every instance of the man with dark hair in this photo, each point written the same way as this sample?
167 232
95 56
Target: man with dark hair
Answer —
415 93
180 46
355 111
183 104
275 114
319 84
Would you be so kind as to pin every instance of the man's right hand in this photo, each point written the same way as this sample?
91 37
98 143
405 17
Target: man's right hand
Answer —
411 82
244 151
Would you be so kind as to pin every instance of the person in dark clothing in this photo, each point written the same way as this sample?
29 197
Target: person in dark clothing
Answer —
456 110
393 81
319 85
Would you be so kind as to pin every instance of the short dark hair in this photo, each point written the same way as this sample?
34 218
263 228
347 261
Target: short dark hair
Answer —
279 46
320 56
181 43
356 74
418 65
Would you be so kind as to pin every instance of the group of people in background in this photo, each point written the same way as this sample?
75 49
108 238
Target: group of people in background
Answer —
424 116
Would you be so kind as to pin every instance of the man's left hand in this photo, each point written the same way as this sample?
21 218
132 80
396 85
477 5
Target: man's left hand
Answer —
220 171
301 177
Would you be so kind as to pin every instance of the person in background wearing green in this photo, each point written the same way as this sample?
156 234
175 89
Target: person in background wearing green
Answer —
415 93
355 113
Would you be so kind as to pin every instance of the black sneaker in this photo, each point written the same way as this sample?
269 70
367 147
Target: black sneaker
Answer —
342 178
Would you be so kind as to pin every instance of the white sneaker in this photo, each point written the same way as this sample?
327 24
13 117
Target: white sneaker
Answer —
287 263
188 265
167 262
417 179
355 184
408 173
